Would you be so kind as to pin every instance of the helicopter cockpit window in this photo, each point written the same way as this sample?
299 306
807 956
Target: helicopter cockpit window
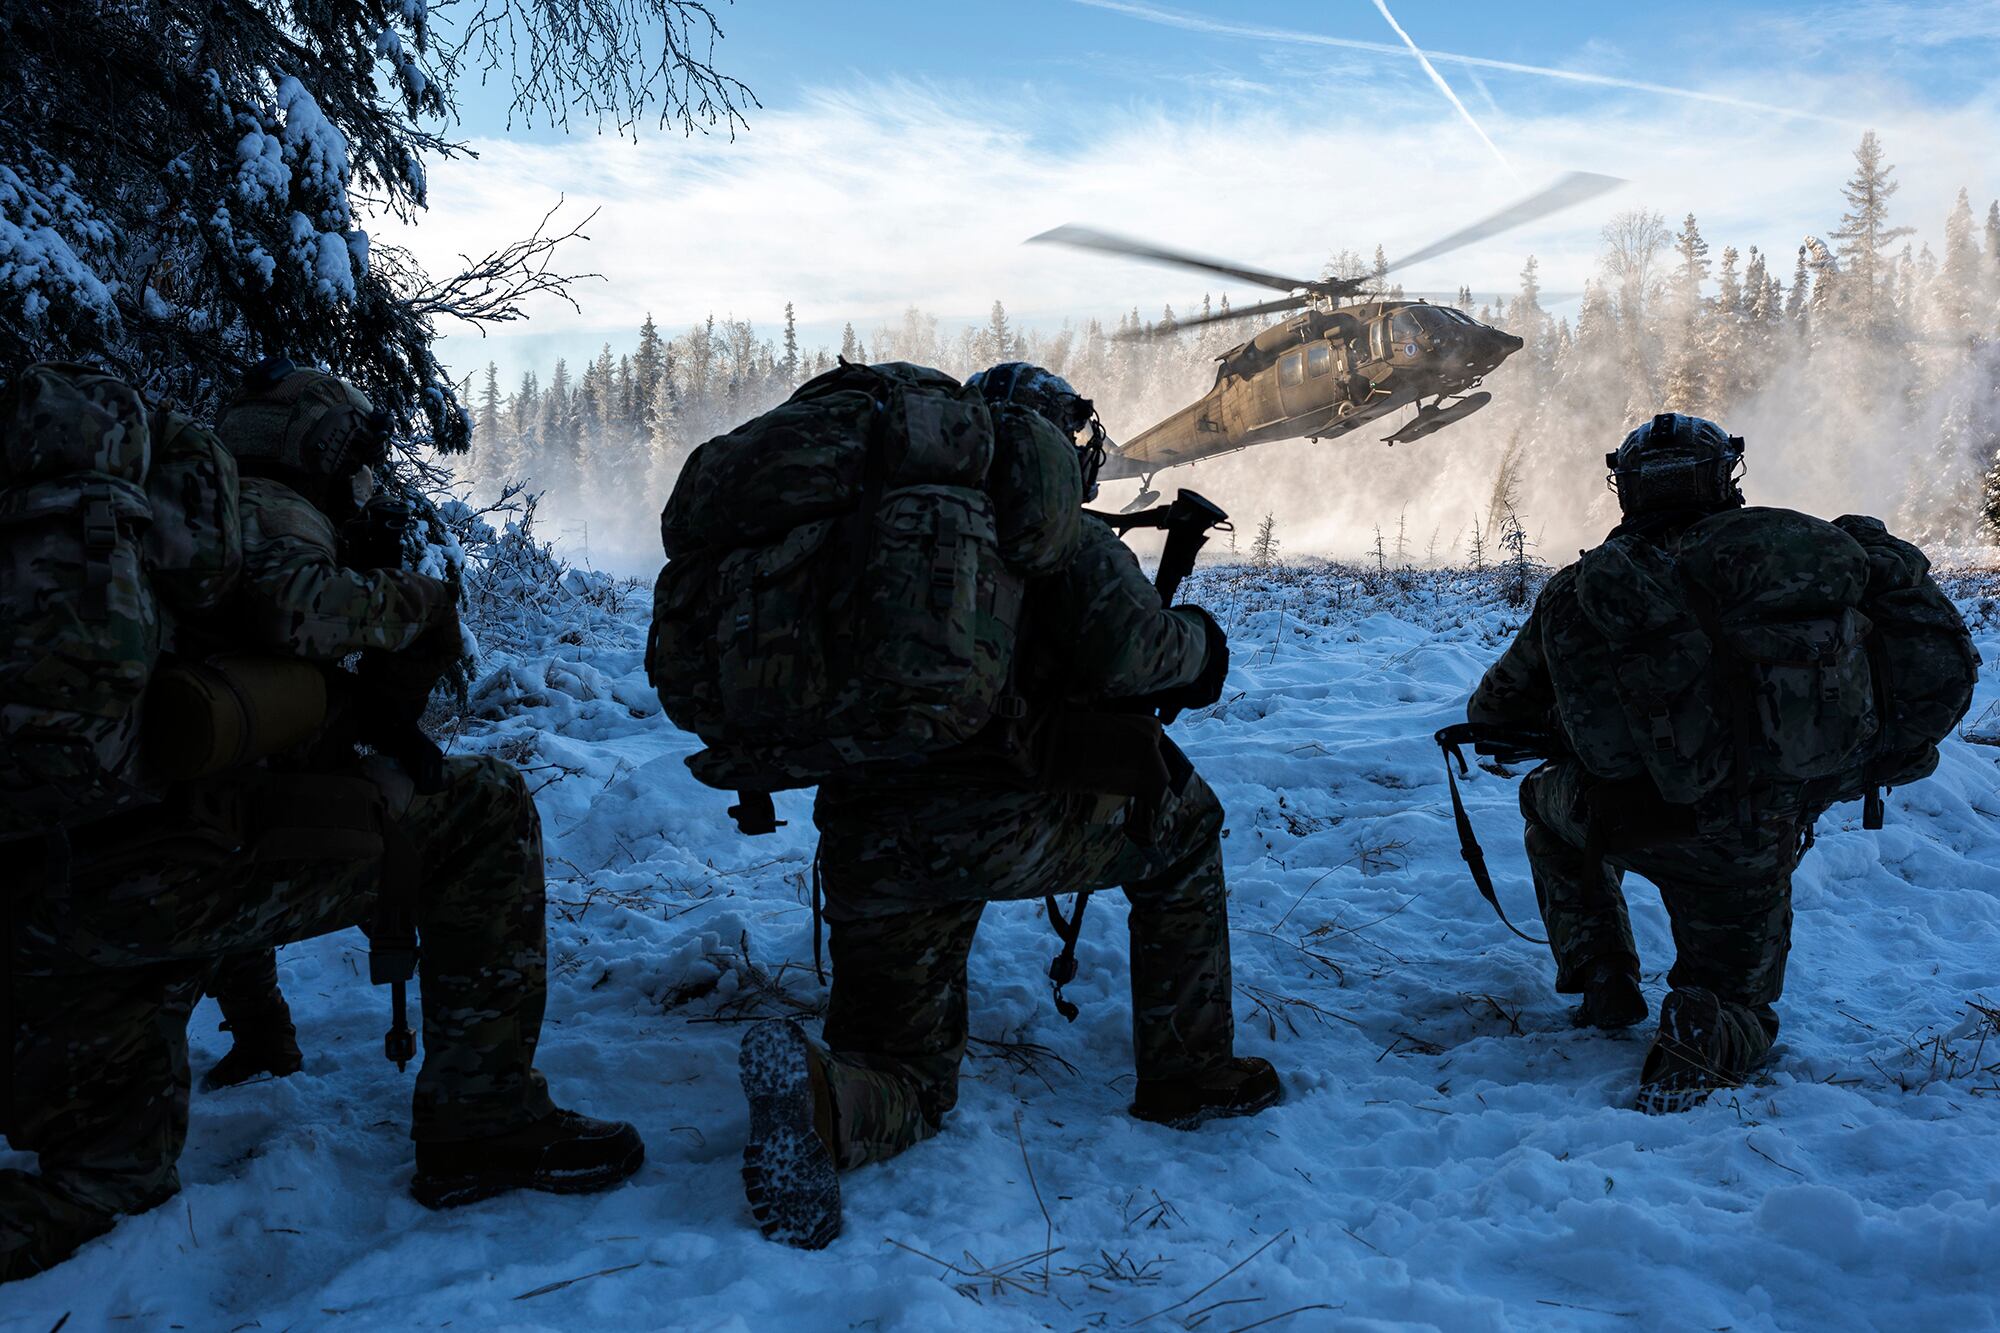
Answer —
1292 369
1319 359
1403 327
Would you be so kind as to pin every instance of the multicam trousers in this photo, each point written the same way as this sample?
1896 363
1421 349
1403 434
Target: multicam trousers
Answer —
1729 901
105 971
907 877
245 987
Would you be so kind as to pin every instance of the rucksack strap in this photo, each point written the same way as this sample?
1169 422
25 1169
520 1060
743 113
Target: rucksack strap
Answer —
1449 740
1872 810
818 914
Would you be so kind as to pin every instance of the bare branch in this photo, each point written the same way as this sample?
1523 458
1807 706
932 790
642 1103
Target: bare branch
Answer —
494 289
607 60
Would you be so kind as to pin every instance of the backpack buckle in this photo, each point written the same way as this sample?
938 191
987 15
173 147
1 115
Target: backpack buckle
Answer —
944 576
100 525
1663 729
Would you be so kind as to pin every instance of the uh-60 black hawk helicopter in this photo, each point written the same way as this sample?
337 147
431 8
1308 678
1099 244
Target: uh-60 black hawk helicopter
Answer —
1339 362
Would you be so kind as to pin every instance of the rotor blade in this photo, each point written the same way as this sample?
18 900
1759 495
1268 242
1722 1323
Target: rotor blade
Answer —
1089 238
1571 188
1243 312
1479 297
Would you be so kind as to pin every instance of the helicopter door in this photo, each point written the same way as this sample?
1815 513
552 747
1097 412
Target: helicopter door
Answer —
1322 387
1292 382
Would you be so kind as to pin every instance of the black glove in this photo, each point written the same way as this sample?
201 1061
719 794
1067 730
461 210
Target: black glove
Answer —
1206 688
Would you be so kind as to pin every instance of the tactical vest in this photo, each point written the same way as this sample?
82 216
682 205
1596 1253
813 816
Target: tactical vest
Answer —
845 576
1768 650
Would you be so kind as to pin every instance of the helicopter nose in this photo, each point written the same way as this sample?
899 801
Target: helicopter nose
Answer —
1512 343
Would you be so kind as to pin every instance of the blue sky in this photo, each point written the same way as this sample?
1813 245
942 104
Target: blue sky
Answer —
903 149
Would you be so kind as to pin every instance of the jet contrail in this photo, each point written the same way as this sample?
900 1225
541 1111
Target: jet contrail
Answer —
1196 23
1445 88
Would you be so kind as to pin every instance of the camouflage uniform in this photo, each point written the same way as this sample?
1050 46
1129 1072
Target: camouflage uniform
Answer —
908 869
108 960
1728 894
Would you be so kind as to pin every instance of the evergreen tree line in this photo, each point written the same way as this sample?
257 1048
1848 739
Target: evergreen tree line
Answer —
1884 343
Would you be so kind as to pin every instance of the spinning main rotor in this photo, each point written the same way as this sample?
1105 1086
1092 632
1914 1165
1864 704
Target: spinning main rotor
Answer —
1569 189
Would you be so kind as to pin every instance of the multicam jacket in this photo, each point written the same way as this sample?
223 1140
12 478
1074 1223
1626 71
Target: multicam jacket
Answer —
296 597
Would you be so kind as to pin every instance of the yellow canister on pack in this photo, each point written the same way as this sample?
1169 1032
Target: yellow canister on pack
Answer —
229 710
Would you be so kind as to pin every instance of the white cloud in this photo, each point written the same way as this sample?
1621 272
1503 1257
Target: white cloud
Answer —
861 202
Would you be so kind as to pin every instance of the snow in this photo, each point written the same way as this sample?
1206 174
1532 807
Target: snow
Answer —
1451 1153
316 150
262 177
37 259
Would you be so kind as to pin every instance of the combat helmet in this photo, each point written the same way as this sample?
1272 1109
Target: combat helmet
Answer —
1677 462
1057 401
305 427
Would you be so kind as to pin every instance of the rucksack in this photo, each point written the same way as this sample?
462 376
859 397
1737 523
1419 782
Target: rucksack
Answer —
845 576
1922 657
1768 649
111 517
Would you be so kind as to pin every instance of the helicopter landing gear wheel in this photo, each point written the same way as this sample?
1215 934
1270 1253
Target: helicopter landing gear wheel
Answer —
1146 496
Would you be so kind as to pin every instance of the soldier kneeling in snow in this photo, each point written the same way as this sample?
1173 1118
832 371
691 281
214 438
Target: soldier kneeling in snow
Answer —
887 587
1720 676
133 868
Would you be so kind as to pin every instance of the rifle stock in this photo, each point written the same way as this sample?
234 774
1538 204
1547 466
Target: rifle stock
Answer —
1187 520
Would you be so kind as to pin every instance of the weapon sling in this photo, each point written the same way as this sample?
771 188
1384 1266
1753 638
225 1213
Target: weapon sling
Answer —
1516 745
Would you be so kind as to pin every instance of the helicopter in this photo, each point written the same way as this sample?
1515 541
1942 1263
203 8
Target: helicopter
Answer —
1349 356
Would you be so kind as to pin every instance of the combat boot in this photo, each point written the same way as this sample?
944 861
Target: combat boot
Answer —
263 1045
1611 996
1244 1086
41 1225
1690 1057
790 1175
563 1153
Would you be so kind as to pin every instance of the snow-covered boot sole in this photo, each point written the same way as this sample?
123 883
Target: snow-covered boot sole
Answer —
1686 1062
789 1175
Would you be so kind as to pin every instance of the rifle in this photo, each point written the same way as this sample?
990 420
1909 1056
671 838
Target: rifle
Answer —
1188 520
1505 745
377 538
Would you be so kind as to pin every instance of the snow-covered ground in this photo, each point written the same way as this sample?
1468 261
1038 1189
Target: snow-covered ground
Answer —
1451 1153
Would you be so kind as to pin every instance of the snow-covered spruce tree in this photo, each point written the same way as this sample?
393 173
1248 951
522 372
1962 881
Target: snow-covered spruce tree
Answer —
1264 548
1521 570
182 186
1688 368
1863 234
